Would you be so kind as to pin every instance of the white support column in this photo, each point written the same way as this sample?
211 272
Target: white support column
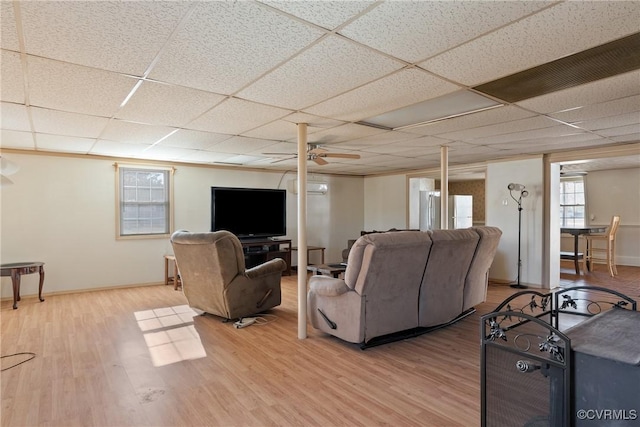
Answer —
302 230
444 187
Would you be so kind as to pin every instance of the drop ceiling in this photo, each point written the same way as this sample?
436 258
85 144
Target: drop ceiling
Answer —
219 82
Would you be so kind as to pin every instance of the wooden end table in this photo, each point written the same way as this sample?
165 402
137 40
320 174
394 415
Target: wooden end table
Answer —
333 270
15 270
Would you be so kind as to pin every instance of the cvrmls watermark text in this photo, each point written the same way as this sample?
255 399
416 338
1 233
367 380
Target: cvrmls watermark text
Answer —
607 414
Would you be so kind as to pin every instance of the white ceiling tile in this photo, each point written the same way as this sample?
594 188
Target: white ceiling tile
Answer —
600 91
66 144
554 131
328 68
343 133
241 145
624 138
387 137
16 139
67 87
134 133
313 121
69 124
11 78
14 117
563 29
426 141
158 103
280 129
415 30
601 110
534 147
111 35
631 131
530 123
326 14
246 41
193 139
8 29
469 121
406 87
203 156
235 116
558 140
242 159
610 122
118 149
165 153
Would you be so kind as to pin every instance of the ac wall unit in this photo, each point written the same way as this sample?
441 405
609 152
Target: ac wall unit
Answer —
313 187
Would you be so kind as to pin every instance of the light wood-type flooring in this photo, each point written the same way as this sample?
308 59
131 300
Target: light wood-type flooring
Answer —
96 351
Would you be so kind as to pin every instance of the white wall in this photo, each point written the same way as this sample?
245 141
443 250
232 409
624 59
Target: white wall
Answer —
61 210
617 192
385 202
528 172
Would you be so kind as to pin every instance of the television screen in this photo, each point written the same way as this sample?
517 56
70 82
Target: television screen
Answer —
249 212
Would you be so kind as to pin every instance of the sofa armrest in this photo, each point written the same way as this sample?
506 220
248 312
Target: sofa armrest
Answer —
327 286
276 265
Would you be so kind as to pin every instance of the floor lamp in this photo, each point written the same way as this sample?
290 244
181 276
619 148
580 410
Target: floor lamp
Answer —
523 193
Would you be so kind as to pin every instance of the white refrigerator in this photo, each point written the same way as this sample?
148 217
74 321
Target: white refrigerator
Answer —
460 211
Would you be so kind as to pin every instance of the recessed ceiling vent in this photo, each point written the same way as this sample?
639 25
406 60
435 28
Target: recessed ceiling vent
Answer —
610 59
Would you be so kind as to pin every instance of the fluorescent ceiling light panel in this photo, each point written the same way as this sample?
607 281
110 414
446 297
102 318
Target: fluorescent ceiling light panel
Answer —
440 108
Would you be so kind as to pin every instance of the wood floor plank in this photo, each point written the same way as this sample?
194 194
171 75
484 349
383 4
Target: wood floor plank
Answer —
94 366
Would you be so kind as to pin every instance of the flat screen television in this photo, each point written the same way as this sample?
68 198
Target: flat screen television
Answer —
249 212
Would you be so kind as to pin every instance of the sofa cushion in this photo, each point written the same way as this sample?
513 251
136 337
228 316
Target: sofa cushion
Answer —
441 293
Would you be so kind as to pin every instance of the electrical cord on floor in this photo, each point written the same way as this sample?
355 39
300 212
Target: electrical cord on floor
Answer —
263 319
33 355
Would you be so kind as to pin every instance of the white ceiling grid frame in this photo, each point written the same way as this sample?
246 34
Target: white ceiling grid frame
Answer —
533 135
387 26
328 68
203 156
70 124
384 138
159 103
118 149
15 117
280 129
400 89
111 35
514 48
326 14
235 116
12 87
632 132
227 45
563 139
75 88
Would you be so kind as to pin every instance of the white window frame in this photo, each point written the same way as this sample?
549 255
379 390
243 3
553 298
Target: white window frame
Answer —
563 205
120 202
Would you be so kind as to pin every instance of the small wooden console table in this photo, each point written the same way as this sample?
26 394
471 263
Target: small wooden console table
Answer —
15 270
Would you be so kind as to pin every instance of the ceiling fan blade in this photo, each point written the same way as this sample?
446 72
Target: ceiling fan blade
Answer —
320 161
341 155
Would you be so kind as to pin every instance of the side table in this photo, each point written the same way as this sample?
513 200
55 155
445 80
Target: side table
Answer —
333 270
175 279
15 270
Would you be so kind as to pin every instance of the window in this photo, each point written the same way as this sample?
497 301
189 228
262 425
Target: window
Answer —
144 201
572 205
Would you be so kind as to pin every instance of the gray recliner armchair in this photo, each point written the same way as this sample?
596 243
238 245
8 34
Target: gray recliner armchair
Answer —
214 278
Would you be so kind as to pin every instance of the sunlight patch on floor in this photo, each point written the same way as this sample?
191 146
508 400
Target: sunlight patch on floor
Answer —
170 334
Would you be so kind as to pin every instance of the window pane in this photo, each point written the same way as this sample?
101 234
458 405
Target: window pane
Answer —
144 202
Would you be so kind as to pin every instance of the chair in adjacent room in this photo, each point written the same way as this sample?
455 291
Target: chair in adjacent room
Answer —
601 248
214 278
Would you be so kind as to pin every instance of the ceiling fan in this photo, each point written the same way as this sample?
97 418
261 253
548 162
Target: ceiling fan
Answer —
316 154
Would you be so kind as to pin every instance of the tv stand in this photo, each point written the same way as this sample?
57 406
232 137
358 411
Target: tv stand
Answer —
260 250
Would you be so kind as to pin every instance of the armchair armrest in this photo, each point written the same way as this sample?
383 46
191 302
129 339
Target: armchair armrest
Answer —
327 286
276 265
